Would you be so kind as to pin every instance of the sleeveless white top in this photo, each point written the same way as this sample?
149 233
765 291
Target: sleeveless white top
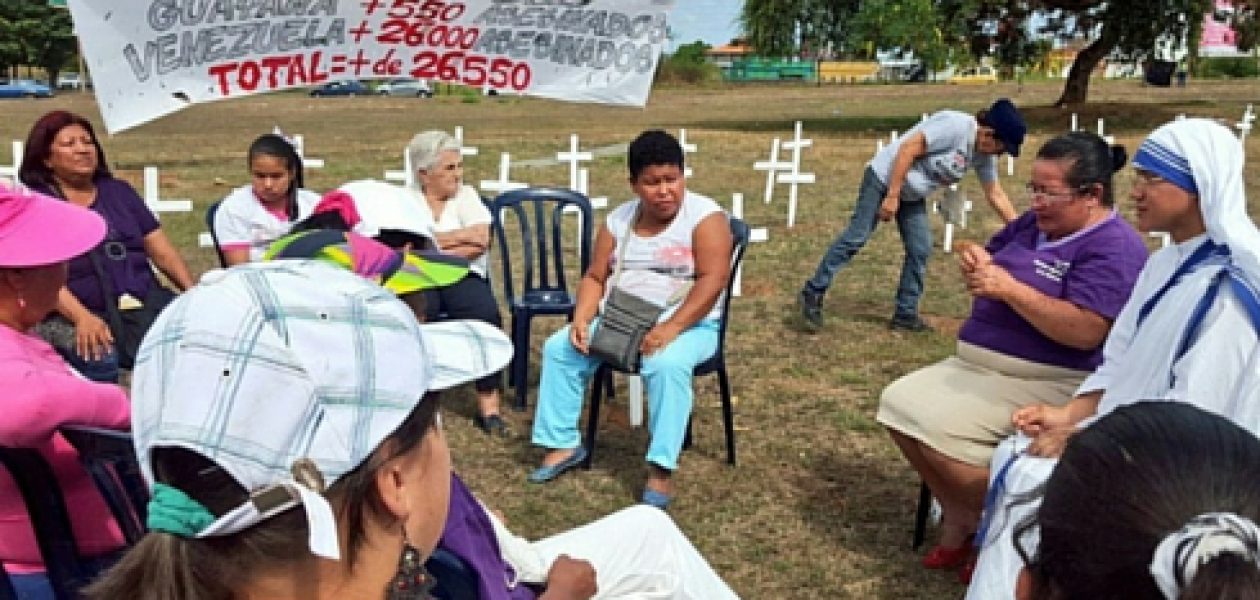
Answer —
658 267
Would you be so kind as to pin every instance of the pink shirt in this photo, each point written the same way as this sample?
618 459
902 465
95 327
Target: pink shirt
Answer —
40 395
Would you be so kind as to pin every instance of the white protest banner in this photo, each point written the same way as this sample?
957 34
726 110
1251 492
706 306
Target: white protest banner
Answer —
151 58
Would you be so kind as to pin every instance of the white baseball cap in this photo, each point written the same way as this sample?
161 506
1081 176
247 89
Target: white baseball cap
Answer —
267 365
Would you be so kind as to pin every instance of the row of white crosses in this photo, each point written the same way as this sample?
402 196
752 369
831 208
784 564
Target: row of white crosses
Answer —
786 171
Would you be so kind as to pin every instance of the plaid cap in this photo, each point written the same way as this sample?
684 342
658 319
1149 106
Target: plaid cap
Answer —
269 366
400 272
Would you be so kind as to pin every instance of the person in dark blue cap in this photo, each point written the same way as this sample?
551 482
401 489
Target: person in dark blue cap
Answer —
935 153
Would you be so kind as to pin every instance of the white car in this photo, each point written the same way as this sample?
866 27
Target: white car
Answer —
69 81
418 88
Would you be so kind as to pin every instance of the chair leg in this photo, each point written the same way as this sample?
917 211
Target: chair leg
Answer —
921 516
687 436
608 389
520 362
728 415
511 370
592 414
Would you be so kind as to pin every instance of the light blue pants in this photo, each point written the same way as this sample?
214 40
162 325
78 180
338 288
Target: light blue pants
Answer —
666 378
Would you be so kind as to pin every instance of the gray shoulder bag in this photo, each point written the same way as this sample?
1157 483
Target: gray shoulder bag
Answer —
627 317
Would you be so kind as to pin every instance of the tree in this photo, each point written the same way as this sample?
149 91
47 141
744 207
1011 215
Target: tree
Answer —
34 33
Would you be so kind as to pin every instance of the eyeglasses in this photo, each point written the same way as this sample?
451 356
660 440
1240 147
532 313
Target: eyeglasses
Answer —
1036 194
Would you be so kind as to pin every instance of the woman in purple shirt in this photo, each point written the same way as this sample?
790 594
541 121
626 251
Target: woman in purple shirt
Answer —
1046 289
64 159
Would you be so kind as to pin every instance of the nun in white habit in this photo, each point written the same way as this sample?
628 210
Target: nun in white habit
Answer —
1189 332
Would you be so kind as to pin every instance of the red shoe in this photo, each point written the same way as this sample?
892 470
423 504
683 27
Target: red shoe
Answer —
940 557
967 570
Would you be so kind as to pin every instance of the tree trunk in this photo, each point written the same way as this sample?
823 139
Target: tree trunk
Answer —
1077 87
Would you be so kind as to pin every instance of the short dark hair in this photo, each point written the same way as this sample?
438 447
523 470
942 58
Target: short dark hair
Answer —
1093 161
1124 484
33 171
653 147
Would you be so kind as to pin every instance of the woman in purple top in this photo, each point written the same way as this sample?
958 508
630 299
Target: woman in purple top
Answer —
64 159
1046 289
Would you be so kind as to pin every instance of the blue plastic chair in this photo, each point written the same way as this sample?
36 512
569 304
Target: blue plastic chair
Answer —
715 365
544 287
210 212
66 570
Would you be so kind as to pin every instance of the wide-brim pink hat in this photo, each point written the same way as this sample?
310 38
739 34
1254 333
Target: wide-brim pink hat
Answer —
36 230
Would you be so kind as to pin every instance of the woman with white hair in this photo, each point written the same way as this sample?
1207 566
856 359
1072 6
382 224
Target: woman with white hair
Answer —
461 223
1189 332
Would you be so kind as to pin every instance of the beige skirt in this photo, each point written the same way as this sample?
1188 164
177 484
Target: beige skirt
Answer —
962 406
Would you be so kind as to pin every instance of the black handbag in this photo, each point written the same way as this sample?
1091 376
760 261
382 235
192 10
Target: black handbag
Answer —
626 319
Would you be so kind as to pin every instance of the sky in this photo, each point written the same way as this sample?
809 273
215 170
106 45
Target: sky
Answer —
714 21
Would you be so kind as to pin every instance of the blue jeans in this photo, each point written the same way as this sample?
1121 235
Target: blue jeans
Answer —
666 382
104 370
916 237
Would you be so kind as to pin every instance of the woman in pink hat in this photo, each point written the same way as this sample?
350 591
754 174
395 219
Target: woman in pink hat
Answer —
38 238
64 159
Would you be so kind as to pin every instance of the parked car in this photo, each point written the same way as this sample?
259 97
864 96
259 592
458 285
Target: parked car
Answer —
341 88
24 88
405 87
69 81
972 75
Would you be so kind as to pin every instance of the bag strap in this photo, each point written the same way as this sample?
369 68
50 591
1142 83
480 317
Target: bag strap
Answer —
678 295
107 292
107 286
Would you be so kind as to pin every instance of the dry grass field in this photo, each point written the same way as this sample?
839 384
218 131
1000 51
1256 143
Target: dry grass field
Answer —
821 504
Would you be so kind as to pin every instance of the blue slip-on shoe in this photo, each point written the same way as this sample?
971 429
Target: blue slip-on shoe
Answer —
546 473
655 499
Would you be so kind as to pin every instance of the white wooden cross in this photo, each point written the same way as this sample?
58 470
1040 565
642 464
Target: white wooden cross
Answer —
1102 128
11 173
687 149
464 150
153 195
954 207
1244 126
299 144
504 183
574 157
1075 122
759 234
771 167
795 177
407 176
584 188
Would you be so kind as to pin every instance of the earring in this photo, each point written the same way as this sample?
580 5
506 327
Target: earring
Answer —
21 302
412 582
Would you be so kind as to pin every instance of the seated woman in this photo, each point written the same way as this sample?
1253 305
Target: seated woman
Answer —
270 501
1188 333
674 247
253 216
1155 501
1046 289
461 225
503 563
38 236
64 159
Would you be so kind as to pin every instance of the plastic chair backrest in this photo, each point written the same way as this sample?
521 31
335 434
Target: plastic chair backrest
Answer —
543 260
739 244
49 519
455 578
110 458
210 213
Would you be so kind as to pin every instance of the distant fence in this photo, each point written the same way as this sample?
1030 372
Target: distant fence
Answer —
824 71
